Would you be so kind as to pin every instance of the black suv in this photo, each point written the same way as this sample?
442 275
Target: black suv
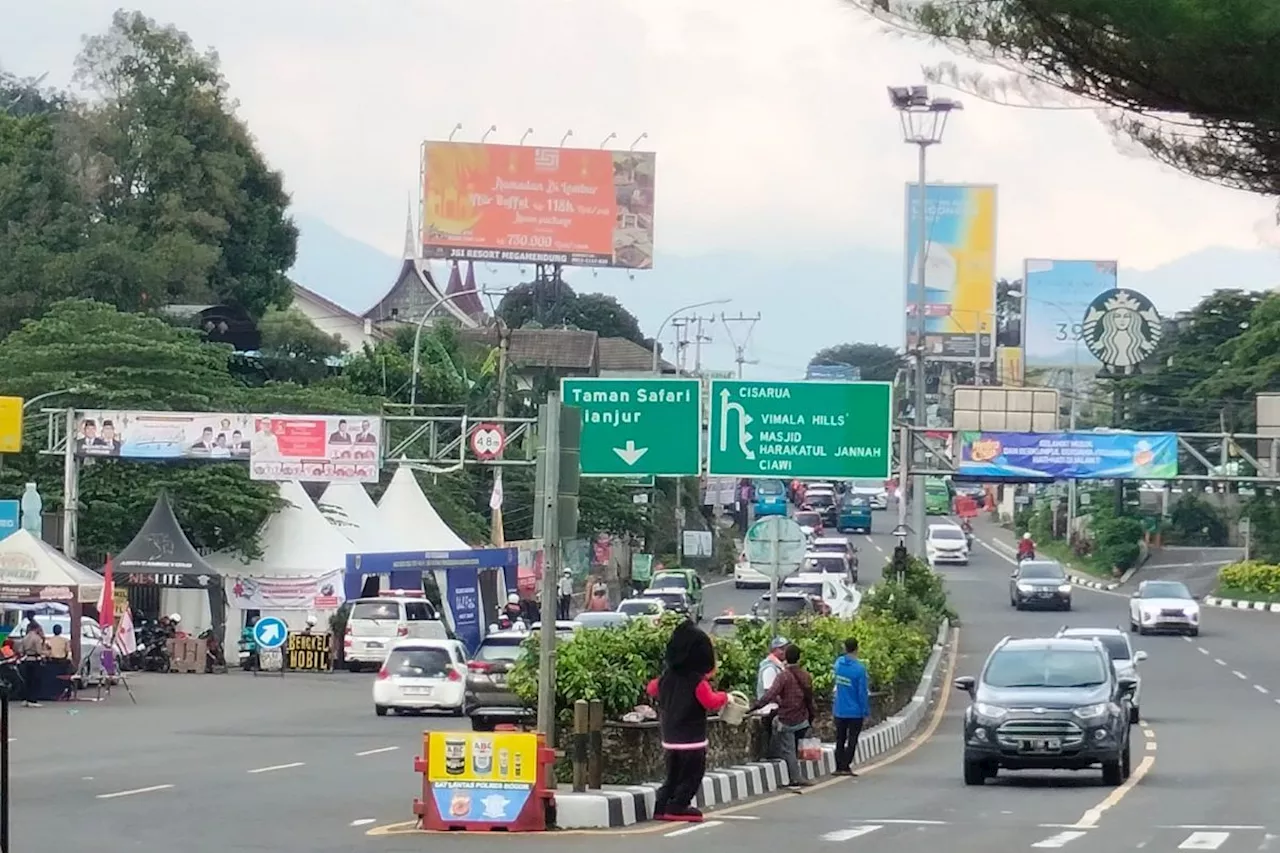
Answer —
1047 704
1039 583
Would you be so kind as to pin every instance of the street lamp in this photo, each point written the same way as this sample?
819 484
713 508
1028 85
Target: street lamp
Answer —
417 341
923 121
672 316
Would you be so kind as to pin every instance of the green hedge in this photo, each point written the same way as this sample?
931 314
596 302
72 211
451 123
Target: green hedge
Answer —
1251 577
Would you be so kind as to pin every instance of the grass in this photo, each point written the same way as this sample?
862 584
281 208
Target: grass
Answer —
1245 595
1061 552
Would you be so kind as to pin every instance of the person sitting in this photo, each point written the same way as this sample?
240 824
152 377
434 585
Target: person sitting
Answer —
1026 548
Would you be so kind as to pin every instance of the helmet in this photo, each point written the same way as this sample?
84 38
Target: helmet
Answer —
311 621
1026 536
567 572
513 599
175 618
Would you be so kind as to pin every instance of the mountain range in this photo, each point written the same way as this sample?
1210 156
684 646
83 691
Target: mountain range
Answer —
805 302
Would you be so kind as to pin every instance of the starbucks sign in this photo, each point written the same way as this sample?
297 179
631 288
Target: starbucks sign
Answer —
1121 328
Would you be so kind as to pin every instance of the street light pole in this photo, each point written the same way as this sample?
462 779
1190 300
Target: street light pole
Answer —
676 313
923 121
417 341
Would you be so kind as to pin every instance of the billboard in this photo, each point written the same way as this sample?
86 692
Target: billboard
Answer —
1069 455
576 206
959 270
318 448
1057 294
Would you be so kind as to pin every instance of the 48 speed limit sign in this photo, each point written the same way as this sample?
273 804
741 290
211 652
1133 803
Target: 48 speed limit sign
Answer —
487 441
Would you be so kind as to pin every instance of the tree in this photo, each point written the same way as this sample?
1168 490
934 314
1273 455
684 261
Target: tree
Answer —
877 363
554 304
1212 62
294 350
605 506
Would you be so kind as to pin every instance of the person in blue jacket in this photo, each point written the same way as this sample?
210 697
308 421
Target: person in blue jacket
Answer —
851 707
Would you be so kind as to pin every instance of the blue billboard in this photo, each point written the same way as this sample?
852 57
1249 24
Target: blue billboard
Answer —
10 518
834 372
1068 455
1056 296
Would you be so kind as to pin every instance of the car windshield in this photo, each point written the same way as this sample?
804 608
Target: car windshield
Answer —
1044 668
1043 572
808 519
834 564
770 488
726 628
787 606
868 486
947 533
806 588
839 546
1117 647
375 610
500 649
636 607
418 663
936 489
854 503
671 599
820 499
669 582
1164 589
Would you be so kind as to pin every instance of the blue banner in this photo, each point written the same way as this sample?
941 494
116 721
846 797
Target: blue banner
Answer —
462 594
10 517
1068 455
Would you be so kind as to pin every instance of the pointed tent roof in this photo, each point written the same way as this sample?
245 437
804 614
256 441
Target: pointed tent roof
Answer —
26 561
161 546
297 541
410 522
352 513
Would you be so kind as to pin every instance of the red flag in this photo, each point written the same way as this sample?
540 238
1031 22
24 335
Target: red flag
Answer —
107 600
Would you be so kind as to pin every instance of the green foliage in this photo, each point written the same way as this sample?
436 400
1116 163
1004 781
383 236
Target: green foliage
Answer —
1115 538
877 363
1251 578
555 304
1194 521
293 349
605 506
1263 512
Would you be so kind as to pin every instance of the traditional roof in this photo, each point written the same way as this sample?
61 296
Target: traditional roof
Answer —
620 354
560 349
469 301
415 292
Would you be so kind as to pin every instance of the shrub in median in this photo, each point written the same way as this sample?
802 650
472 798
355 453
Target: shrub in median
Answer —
1250 577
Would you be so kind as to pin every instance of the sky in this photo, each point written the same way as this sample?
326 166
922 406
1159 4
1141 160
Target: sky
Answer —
771 123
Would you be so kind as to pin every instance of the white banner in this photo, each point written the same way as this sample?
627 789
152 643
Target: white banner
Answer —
314 592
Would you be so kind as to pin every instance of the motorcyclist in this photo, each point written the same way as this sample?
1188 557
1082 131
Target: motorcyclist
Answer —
512 610
1026 548
311 624
968 531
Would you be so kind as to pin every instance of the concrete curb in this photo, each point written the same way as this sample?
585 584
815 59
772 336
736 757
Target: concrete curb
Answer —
618 806
1240 604
1078 580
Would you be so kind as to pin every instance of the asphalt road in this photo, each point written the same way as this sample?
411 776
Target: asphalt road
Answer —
300 763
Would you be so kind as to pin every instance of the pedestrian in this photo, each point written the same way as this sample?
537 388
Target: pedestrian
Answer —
599 601
773 663
792 690
565 599
32 651
685 697
851 707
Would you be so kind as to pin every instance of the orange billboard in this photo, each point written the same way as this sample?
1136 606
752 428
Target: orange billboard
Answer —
573 206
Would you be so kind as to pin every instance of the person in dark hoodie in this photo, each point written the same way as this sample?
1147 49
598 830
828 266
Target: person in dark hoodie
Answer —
685 697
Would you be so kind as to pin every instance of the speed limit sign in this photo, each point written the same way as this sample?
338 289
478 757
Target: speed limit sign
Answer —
487 441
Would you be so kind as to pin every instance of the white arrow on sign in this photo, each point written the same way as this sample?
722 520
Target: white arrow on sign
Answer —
631 454
271 633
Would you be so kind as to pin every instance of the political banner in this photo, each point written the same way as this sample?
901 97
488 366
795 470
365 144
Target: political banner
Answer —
325 448
525 204
1057 295
1068 455
308 592
959 270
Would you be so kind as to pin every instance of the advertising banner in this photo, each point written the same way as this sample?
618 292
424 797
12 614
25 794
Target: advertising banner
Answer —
11 411
1069 455
529 565
315 592
318 448
483 778
10 518
959 270
462 592
523 204
305 652
1057 296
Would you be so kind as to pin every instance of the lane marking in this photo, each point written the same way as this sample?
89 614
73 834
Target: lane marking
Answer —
1204 841
1090 818
274 767
364 821
1148 733
1212 826
1061 839
1219 661
1202 650
130 793
377 751
1187 639
1261 689
1151 746
739 817
904 821
695 828
1238 674
850 834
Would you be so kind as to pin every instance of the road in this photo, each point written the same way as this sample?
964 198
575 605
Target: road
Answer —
300 763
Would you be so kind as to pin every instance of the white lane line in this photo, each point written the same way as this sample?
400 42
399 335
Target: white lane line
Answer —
274 767
1202 650
1204 841
1213 826
718 583
1061 839
850 834
1261 689
1219 661
739 817
1151 746
688 829
1238 674
130 793
377 751
1187 639
364 821
906 821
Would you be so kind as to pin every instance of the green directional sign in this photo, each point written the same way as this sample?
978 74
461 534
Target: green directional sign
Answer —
637 427
805 430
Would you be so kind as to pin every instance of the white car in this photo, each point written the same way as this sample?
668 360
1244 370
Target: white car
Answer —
873 491
373 624
745 576
1123 658
946 543
831 593
643 608
421 675
1164 606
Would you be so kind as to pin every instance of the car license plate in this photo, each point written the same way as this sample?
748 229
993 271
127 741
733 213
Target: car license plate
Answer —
418 691
1045 593
498 678
1041 745
373 645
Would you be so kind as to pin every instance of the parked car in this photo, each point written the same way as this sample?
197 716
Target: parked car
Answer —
421 675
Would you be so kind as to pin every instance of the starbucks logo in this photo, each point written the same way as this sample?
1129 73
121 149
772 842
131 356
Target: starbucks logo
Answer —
1122 328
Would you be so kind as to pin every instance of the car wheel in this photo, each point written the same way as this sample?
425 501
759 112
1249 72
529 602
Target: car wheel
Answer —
1135 716
354 666
455 712
1115 772
1017 605
1142 632
975 773
1194 632
1133 627
380 710
1067 607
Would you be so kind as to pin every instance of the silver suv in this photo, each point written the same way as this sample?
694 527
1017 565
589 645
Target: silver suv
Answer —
1123 658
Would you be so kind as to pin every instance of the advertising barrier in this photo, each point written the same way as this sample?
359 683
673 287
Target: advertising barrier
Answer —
484 781
307 592
523 204
1056 298
10 518
319 448
305 652
1068 455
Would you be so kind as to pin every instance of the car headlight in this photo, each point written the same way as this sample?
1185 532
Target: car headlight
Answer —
1064 588
1194 615
990 712
1025 587
1088 712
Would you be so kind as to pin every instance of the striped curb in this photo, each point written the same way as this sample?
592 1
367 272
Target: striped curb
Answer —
624 805
1240 604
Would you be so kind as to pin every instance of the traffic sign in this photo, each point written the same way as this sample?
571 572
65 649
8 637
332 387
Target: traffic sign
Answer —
828 430
775 546
270 632
648 425
487 441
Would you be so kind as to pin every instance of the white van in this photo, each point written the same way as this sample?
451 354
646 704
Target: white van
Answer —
375 623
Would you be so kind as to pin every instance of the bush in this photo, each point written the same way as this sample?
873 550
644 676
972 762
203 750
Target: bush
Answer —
1252 577
1194 521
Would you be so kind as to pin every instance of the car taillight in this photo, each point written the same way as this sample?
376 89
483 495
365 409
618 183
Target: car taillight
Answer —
402 631
347 642
348 632
454 675
383 675
478 666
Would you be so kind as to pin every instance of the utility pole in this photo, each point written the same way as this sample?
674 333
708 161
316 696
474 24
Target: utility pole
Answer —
549 427
681 327
698 340
497 534
740 349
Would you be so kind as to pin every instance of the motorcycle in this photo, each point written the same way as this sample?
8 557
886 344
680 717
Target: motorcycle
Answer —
508 620
968 535
214 658
248 648
1023 556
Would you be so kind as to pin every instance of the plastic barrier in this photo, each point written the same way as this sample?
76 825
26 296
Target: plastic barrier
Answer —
484 782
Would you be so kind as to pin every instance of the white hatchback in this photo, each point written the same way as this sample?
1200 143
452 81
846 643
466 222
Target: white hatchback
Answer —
421 675
946 543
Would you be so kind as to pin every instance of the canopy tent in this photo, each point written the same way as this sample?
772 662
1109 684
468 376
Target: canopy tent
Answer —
32 571
409 521
161 555
353 513
300 566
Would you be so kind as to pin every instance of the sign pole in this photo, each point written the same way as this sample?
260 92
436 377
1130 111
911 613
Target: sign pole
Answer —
4 768
776 566
550 426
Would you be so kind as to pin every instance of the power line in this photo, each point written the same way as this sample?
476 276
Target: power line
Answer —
740 349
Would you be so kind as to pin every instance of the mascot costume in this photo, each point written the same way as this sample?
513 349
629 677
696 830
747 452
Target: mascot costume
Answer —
684 698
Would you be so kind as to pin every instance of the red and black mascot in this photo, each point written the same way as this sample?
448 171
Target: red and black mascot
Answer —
685 696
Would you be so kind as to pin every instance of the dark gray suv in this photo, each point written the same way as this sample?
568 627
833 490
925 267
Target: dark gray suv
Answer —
1047 704
1040 583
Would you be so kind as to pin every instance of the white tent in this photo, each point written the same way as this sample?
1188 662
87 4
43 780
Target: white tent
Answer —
352 513
26 561
409 521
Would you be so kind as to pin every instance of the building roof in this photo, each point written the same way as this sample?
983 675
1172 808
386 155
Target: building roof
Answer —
564 349
620 354
329 305
415 292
